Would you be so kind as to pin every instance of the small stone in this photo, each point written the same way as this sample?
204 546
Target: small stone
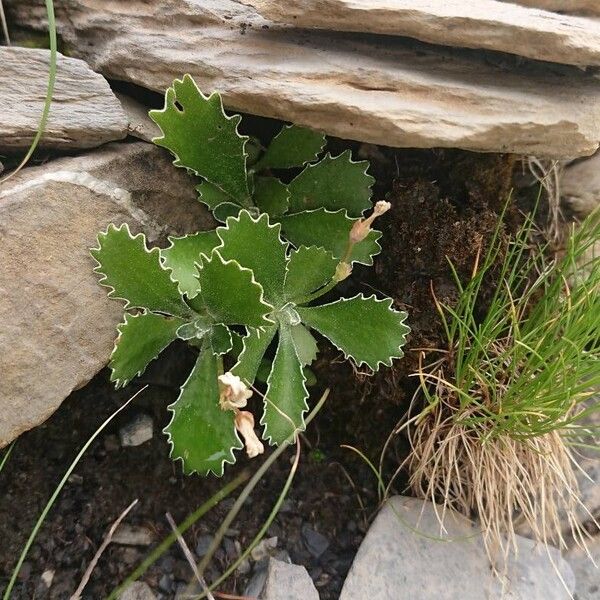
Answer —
137 432
316 543
75 479
47 577
291 582
138 590
203 544
255 586
133 535
165 583
263 548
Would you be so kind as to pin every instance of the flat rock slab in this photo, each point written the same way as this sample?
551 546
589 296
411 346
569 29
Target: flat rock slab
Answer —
582 7
587 574
406 556
486 24
84 113
58 326
379 89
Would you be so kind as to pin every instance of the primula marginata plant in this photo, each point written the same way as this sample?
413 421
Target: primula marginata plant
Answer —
250 284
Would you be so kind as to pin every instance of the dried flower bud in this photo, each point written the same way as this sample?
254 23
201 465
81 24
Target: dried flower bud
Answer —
361 228
342 271
233 392
244 423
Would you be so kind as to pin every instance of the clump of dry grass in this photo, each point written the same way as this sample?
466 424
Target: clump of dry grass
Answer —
505 402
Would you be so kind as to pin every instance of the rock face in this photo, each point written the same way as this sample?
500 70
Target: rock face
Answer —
580 186
583 7
587 575
405 556
385 91
486 24
58 326
84 113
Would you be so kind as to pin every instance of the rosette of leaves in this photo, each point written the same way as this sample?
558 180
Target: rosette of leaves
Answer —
317 207
242 274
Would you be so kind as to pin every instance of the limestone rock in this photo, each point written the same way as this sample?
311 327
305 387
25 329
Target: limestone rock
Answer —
580 186
486 24
291 582
140 126
84 113
58 326
380 90
138 590
405 555
137 432
587 575
583 7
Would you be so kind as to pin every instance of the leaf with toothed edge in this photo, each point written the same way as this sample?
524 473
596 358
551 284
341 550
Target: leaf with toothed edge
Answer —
210 195
255 344
202 435
256 245
334 183
329 230
141 339
285 399
203 138
183 254
366 329
225 210
229 293
221 339
135 273
271 196
305 343
308 269
293 146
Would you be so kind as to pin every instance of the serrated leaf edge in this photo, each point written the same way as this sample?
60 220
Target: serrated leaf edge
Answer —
296 250
353 219
225 460
291 126
98 268
265 435
236 117
252 280
387 301
119 383
260 331
351 161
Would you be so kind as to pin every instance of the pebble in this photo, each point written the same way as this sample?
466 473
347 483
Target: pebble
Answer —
203 544
289 582
256 584
138 590
316 543
165 583
263 549
47 577
137 431
133 535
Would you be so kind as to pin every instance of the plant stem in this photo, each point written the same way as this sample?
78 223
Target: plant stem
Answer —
6 455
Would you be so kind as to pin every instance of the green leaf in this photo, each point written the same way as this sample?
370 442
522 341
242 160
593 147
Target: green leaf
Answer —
271 196
202 435
305 343
141 339
285 400
333 183
293 146
180 257
367 330
308 269
194 330
203 138
255 345
329 230
211 195
230 293
256 245
225 210
135 273
221 340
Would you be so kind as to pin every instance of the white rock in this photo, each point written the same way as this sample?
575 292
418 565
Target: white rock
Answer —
84 112
288 582
58 326
583 7
137 432
587 574
406 556
138 590
382 91
486 24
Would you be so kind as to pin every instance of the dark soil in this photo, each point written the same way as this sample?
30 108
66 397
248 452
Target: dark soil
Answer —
445 207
